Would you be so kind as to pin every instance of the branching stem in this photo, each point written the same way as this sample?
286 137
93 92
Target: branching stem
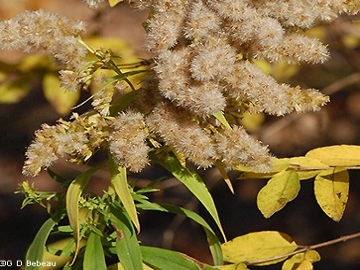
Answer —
302 249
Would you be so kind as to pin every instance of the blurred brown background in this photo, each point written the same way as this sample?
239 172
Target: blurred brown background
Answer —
293 135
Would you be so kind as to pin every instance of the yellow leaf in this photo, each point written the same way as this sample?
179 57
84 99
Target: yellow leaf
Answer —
221 118
301 261
113 3
305 265
60 99
312 256
61 259
265 66
117 46
293 262
337 155
279 190
278 165
307 163
282 70
307 167
351 41
331 189
318 32
252 121
225 176
35 62
121 49
256 246
120 184
13 91
73 195
237 266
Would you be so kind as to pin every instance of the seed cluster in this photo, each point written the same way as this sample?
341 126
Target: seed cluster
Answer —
205 54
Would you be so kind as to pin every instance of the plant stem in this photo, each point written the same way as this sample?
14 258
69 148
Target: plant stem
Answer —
302 249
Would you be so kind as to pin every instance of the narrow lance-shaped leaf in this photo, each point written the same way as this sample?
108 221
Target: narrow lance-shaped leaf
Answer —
226 178
221 118
263 246
194 183
214 243
94 257
235 266
127 246
37 248
279 190
72 203
167 259
121 186
331 189
118 266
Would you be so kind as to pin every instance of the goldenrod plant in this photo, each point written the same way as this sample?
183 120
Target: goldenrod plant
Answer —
180 108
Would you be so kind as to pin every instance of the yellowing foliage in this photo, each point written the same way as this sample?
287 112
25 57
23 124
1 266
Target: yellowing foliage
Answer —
113 3
331 189
301 261
280 189
256 246
59 98
337 155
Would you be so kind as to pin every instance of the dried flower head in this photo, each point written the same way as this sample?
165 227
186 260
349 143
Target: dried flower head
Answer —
44 31
127 141
73 140
204 65
234 146
176 128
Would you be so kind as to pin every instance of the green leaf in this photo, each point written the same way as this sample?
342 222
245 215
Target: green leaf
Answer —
94 257
163 259
254 247
59 98
58 178
213 241
331 189
282 188
127 246
221 118
194 183
121 186
37 248
72 203
118 266
337 155
60 252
